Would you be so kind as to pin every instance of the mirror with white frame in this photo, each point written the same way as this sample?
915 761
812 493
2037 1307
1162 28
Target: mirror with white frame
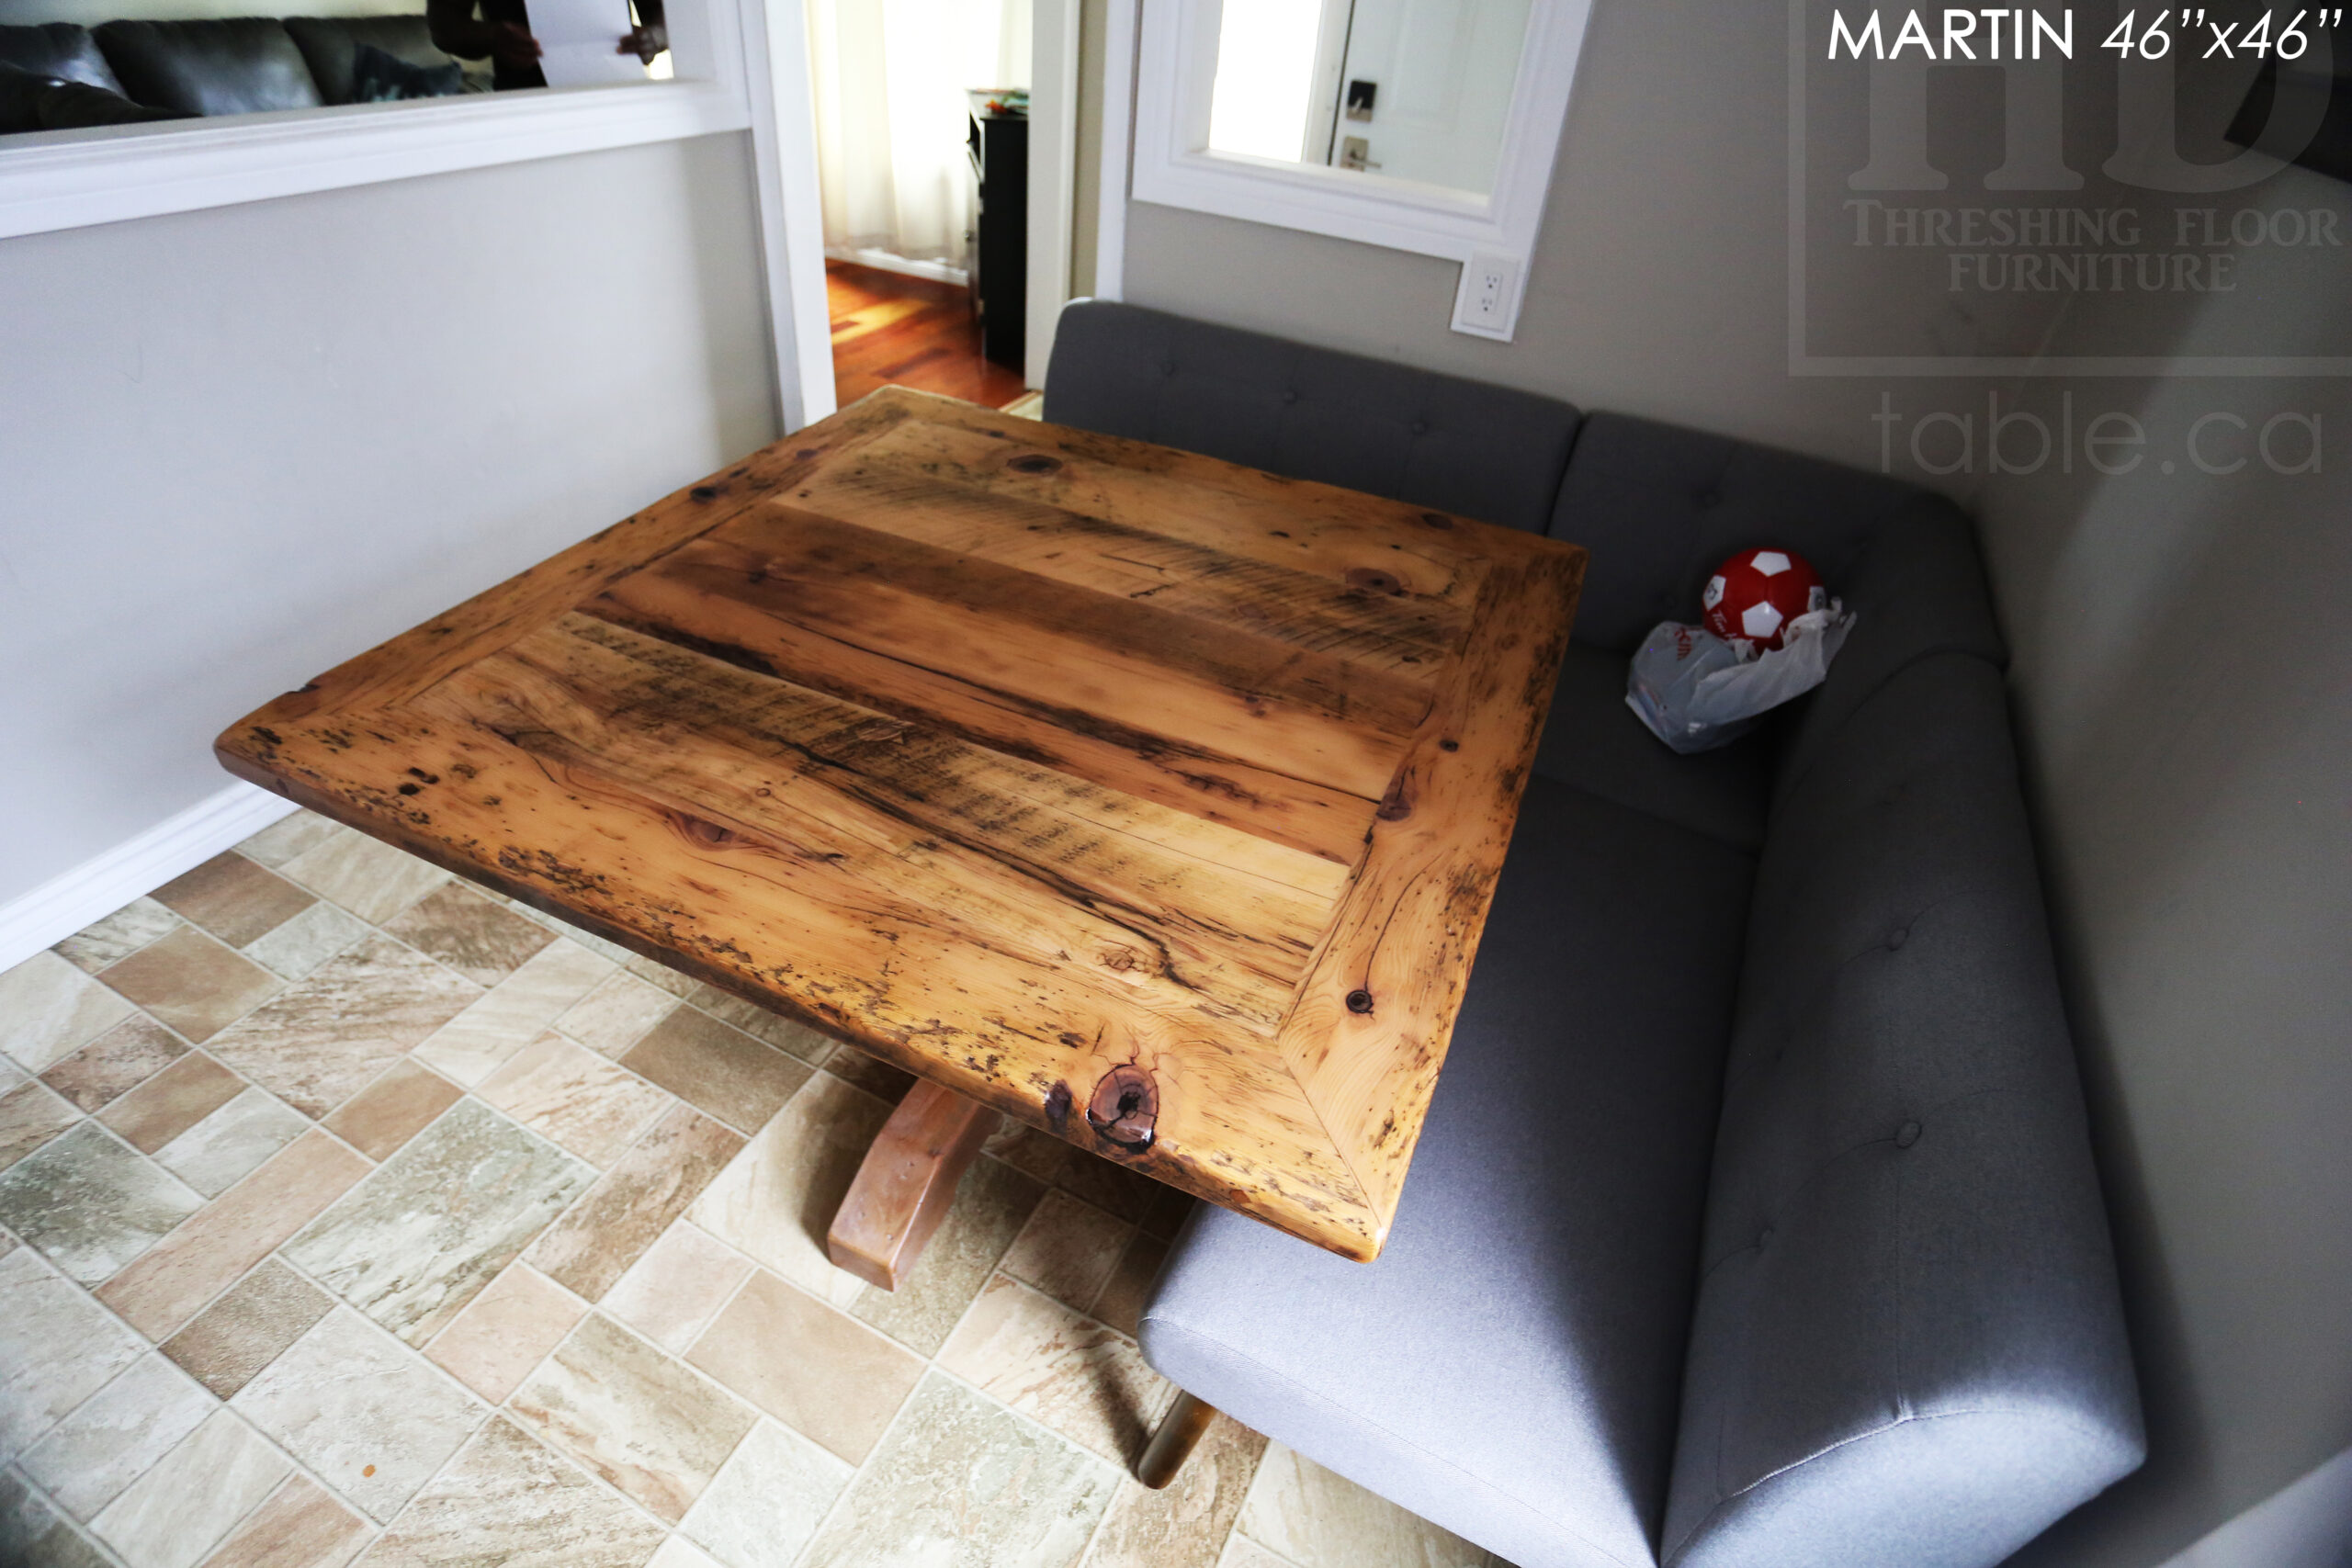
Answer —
1428 126
1415 90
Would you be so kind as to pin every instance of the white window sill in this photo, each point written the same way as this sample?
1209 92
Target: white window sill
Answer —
69 179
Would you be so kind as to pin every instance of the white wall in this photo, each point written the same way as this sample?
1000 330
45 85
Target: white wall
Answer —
2185 695
242 444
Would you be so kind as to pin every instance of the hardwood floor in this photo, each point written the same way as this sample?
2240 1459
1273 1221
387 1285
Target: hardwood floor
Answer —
890 329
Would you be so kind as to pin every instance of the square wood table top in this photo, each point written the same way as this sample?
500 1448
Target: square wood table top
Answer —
1151 800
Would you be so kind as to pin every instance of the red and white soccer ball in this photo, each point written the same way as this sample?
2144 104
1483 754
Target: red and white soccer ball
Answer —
1755 595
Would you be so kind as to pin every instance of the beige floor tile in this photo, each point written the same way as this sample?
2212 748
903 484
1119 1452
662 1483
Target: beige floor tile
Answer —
505 1331
117 936
366 875
251 1325
48 1009
616 1014
178 1511
961 1483
288 837
574 1097
992 1203
1240 1551
786 1034
30 1116
114 1062
875 1077
1187 1524
299 948
365 1413
191 982
235 1231
413 1242
218 1151
483 941
1068 1249
35 1535
647 1188
508 1502
1112 1188
776 1201
118 1435
513 1013
810 1366
384 1116
740 1080
91 1203
1318 1520
671 1294
632 1415
768 1500
233 898
646 969
1123 1295
1058 1366
679 1553
57 1348
300 1525
329 1036
186 1092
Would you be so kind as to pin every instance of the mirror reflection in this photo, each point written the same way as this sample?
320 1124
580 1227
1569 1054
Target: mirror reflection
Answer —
1412 90
75 64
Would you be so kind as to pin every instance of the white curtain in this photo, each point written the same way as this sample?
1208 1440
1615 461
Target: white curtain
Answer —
890 78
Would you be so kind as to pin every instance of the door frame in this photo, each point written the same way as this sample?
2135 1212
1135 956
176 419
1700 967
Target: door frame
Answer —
1054 42
791 214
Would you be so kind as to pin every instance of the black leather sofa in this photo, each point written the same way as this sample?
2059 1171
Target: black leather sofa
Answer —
57 75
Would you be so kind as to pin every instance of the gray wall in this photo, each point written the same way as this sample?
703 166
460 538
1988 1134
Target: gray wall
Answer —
2184 693
2185 696
245 444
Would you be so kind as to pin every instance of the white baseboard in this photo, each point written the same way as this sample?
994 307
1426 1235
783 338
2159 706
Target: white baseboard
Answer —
883 261
63 904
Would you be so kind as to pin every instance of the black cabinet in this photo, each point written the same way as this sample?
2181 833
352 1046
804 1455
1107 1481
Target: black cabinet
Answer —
999 144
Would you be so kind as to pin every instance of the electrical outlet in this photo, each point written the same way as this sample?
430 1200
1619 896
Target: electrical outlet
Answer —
1487 302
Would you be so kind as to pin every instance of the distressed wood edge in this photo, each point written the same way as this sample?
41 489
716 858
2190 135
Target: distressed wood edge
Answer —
906 1183
1327 989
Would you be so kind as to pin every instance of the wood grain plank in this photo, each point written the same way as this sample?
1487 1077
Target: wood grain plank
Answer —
1322 819
1373 620
826 839
1373 1020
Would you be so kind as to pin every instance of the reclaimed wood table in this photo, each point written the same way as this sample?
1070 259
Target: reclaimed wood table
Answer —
1152 801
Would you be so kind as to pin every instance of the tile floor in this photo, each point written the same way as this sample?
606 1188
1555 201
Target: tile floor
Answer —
353 1214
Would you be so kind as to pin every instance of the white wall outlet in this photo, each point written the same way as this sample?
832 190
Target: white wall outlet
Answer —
1487 305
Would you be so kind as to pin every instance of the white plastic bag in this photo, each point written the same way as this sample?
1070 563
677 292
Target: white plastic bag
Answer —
1696 692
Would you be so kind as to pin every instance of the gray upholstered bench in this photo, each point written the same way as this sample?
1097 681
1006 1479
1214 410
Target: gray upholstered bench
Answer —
1754 1225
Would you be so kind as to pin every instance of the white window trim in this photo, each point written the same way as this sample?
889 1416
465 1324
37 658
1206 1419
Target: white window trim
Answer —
71 179
1173 168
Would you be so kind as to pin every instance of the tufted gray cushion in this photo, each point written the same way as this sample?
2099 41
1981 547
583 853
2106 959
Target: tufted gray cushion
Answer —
59 49
1593 741
229 65
1660 506
1461 446
1908 1346
1507 1366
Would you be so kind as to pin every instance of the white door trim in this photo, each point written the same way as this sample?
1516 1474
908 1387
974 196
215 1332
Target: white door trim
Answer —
1118 126
792 225
1053 173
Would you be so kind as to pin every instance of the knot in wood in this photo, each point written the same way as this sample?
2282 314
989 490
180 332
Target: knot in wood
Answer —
1359 1001
1371 580
1058 1107
705 492
700 831
1034 463
1437 520
1125 1107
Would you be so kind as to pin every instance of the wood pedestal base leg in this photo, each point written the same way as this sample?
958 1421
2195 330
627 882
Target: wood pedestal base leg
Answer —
1179 1435
909 1178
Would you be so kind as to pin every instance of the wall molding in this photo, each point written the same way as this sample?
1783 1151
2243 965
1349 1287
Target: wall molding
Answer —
100 886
